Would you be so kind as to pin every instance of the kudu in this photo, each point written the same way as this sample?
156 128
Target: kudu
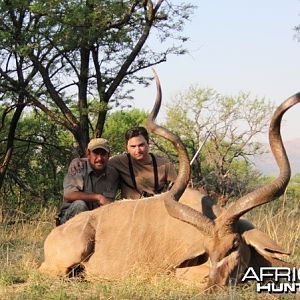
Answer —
161 233
227 236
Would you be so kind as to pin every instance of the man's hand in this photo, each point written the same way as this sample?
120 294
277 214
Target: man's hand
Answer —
76 166
103 200
79 195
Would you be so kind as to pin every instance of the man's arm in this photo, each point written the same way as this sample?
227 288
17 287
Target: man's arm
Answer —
74 190
76 165
79 195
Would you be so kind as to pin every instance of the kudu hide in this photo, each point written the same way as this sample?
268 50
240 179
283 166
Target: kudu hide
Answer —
197 239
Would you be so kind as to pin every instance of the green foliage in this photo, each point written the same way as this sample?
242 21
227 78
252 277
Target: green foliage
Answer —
60 54
293 189
228 125
42 150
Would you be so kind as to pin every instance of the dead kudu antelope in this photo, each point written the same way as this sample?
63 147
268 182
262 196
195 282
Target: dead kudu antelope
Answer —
192 237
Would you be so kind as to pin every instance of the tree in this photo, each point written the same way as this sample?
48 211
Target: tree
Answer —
58 56
232 123
34 176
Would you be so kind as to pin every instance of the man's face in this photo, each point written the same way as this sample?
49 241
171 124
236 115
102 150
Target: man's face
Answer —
138 147
98 159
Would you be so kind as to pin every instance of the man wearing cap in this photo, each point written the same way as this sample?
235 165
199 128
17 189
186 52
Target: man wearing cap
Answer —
94 185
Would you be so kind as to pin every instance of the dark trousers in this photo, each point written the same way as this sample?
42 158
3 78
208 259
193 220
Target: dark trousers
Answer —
69 210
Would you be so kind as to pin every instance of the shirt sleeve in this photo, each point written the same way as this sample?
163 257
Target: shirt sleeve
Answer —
73 183
115 161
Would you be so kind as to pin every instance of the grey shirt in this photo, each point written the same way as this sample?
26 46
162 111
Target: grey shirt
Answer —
86 180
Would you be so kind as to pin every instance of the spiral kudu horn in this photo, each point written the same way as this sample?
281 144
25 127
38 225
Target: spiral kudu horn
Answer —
175 209
184 166
277 187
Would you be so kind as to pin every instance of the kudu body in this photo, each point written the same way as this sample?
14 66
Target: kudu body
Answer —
193 236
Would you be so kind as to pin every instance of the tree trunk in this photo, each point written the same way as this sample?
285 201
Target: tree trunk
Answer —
82 97
10 140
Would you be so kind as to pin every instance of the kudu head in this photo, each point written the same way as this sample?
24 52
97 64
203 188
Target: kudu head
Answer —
228 252
225 244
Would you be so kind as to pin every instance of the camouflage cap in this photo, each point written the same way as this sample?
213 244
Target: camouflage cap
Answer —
98 143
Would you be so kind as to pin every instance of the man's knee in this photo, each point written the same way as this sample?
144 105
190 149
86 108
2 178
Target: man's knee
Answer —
73 209
79 206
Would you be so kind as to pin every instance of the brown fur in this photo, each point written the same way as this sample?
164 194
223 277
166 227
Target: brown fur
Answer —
136 235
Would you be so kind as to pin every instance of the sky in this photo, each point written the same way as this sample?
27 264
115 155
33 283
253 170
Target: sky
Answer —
237 45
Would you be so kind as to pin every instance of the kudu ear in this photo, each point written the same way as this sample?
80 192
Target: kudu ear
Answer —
264 251
263 244
260 241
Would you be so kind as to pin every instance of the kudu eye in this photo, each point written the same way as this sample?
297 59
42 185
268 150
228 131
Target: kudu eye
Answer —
234 247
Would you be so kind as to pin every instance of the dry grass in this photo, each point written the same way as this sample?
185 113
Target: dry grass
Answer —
281 221
21 252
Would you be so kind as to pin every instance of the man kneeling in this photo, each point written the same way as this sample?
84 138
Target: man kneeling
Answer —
95 184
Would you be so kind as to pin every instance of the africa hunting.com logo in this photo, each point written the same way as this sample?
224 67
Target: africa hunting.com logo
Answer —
277 280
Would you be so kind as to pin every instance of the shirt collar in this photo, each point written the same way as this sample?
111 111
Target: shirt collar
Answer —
90 169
